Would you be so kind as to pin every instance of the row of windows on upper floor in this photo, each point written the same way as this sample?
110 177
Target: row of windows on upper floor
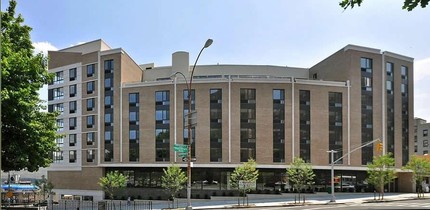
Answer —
58 157
90 71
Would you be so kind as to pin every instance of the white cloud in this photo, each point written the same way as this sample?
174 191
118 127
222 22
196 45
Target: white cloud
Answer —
43 47
421 88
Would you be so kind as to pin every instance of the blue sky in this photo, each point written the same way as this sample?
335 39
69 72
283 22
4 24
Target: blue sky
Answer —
273 32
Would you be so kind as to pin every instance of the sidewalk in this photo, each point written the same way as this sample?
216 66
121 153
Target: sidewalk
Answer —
322 200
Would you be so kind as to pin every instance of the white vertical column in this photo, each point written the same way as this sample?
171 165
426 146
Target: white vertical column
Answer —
174 112
348 84
120 123
292 118
229 118
384 145
98 110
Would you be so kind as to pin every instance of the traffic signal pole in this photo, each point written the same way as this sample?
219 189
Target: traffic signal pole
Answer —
333 198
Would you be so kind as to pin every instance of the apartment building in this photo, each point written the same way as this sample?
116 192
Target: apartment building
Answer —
118 115
421 136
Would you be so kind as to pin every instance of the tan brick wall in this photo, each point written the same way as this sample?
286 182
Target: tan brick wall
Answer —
86 179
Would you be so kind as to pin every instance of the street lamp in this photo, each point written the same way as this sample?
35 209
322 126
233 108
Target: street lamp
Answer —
207 44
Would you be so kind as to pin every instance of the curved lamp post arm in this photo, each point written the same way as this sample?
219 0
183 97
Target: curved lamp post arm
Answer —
207 44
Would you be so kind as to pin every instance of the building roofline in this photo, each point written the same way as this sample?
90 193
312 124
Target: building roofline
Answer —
398 56
79 45
361 48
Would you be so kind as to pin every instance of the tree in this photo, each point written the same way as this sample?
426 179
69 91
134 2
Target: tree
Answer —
381 172
300 174
113 181
408 4
173 180
244 177
28 133
45 186
420 168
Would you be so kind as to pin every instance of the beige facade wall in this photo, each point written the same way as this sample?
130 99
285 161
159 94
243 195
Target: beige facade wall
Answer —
86 179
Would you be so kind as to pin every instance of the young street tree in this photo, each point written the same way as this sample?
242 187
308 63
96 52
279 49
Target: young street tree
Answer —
28 134
381 172
300 174
45 186
420 168
173 180
244 177
408 4
113 181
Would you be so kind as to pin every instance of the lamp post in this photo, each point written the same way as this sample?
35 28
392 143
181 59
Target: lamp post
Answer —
207 44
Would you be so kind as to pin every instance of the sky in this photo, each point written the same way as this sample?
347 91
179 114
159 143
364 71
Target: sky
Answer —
269 32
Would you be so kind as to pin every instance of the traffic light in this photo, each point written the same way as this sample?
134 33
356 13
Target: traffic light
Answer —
379 147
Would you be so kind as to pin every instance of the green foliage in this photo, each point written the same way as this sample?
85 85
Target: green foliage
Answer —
420 168
381 172
300 174
113 180
28 134
247 172
45 186
173 179
408 4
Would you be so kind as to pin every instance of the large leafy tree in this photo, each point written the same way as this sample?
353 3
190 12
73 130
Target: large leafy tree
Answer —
408 4
113 181
300 174
420 168
28 133
173 180
380 172
244 177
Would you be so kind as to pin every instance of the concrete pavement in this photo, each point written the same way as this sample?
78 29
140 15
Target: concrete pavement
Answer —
313 199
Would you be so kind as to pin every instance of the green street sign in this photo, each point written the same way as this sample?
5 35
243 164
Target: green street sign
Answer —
182 154
180 148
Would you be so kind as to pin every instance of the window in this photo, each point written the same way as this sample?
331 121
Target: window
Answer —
133 99
72 107
72 123
366 65
72 90
90 104
72 74
425 143
72 140
59 141
90 87
59 108
90 138
425 132
425 152
72 156
134 117
90 70
162 116
108 66
58 156
108 101
60 124
58 78
162 98
108 137
108 119
58 93
90 155
192 96
134 136
90 121
108 84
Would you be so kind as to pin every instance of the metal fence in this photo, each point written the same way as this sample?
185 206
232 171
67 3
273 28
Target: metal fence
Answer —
100 205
